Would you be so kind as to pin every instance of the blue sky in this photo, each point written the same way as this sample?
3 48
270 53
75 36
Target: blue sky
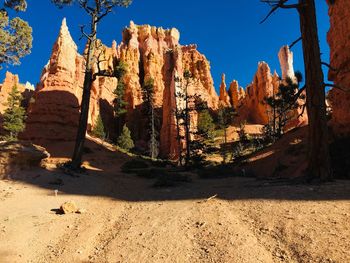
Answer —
227 32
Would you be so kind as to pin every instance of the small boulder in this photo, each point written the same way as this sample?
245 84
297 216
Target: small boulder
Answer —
69 208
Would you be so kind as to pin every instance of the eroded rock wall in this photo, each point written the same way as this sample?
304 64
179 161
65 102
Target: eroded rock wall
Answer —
339 42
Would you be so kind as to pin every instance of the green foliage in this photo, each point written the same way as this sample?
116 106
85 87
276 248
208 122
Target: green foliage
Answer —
243 137
119 102
206 126
282 104
99 129
124 140
15 35
225 117
120 69
148 104
17 5
14 115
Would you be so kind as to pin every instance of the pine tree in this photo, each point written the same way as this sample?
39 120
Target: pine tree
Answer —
283 103
14 115
96 10
148 100
205 126
119 102
124 140
99 129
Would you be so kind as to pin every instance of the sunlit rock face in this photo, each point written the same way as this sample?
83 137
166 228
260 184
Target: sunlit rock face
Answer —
6 87
254 108
339 42
149 53
224 98
285 57
236 94
155 53
298 116
54 110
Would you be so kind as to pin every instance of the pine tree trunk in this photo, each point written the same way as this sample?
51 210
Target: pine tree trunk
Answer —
318 153
85 103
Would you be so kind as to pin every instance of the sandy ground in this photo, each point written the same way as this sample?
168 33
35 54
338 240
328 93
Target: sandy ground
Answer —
127 220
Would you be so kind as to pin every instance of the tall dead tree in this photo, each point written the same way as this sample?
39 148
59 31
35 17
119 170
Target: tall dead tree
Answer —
96 10
319 167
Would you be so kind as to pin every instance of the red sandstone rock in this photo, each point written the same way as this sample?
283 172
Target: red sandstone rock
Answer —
149 52
224 98
236 94
54 111
10 81
338 39
254 108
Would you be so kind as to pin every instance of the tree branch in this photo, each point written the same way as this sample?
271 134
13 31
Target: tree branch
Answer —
276 4
295 42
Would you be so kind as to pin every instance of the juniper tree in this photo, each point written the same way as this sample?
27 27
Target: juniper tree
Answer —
319 166
15 34
14 115
148 104
96 10
124 140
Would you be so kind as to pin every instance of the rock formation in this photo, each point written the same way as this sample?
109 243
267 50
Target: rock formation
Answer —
298 116
236 94
224 98
254 108
54 111
149 53
285 57
10 81
338 39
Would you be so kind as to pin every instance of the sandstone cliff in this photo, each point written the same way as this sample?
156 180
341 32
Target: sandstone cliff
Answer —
149 53
338 39
236 94
10 81
251 105
254 109
54 111
224 98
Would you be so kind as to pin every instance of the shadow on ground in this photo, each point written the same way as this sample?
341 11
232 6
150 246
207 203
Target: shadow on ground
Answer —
104 179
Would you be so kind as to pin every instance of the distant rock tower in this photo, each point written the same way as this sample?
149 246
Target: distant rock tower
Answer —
285 57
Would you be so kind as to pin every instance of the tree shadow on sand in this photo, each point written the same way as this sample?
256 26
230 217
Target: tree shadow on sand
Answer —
105 179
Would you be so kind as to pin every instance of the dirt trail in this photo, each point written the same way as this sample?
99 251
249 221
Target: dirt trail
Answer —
129 221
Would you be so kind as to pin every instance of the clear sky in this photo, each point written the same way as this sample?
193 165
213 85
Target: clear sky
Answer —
227 32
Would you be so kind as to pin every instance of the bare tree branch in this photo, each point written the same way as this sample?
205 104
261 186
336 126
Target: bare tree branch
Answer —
275 5
295 42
